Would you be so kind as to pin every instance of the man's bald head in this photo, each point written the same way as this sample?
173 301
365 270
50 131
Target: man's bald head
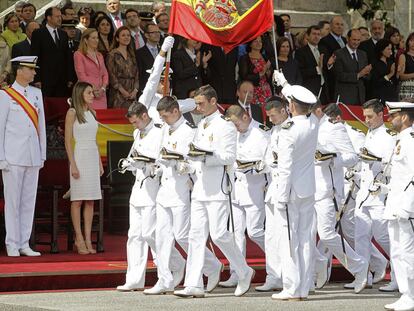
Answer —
337 25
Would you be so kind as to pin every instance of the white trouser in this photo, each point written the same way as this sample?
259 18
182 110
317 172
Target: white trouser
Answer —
272 240
369 223
20 189
401 235
141 234
173 224
250 217
211 216
326 221
296 269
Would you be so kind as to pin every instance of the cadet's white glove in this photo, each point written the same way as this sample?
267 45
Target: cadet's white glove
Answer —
126 165
401 214
153 170
4 165
351 175
184 167
378 188
279 78
260 166
167 44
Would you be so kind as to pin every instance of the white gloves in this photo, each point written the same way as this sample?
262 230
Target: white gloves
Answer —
351 175
378 188
260 166
127 165
184 167
279 78
4 165
167 44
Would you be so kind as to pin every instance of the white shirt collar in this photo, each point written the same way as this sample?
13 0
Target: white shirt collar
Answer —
351 51
180 121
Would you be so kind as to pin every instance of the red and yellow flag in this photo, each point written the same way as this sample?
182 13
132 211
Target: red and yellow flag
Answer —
225 23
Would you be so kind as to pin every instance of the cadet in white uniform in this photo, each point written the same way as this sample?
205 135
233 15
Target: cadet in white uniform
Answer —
250 182
399 209
217 139
296 188
22 154
173 199
334 152
369 220
276 110
142 215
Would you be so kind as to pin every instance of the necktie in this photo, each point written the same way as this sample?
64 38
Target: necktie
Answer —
70 44
154 52
137 41
57 41
340 42
354 57
118 22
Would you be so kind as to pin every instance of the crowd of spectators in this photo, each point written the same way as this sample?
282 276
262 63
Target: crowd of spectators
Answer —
114 51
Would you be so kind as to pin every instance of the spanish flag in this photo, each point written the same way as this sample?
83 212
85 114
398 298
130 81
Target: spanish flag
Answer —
225 23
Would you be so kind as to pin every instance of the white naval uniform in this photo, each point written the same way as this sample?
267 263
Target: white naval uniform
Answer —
173 205
150 97
25 152
377 260
209 205
273 232
401 231
333 138
142 213
296 188
369 209
249 187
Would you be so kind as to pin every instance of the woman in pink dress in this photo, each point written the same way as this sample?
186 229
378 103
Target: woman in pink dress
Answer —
90 67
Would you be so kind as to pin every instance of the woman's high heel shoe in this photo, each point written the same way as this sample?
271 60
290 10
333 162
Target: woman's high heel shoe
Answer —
90 247
81 247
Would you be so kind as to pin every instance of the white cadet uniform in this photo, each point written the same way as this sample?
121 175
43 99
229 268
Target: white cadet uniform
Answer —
173 205
209 205
272 232
150 97
333 138
142 213
249 187
296 188
23 151
369 221
400 201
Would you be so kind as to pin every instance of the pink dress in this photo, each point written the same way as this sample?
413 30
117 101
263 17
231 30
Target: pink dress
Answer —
94 73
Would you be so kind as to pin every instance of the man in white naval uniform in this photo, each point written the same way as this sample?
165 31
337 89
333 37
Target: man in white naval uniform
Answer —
276 111
369 220
173 199
250 182
296 188
142 213
399 209
154 88
22 154
209 206
378 263
334 152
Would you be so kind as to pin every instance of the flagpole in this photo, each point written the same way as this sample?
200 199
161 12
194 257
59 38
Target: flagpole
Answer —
274 45
166 73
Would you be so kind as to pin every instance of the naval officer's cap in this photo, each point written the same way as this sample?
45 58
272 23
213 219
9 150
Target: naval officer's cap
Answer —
299 95
26 61
394 107
146 16
70 23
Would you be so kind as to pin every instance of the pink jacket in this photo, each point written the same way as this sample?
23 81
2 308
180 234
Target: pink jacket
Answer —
89 71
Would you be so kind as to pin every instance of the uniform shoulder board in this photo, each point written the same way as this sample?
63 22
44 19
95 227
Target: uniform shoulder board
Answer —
193 126
391 132
287 125
412 134
158 125
225 118
264 127
357 129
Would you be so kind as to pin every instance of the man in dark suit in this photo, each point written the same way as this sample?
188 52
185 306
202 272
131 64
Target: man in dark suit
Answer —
23 48
245 90
50 45
291 37
310 61
146 55
69 26
220 72
328 45
28 15
377 33
113 8
351 68
137 34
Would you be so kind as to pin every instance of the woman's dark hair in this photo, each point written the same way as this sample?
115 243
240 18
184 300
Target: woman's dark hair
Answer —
280 25
7 19
410 37
86 10
279 43
390 31
115 42
111 32
381 46
248 44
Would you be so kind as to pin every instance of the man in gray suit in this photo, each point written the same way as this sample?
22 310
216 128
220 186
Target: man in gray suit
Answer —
351 69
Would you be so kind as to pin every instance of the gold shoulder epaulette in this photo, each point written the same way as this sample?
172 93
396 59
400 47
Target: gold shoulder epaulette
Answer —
193 126
264 127
391 132
225 118
287 125
158 125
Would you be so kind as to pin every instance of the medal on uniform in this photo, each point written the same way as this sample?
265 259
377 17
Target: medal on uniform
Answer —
205 125
397 152
170 131
174 145
141 135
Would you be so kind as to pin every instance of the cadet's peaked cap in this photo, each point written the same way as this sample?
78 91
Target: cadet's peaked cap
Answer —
69 23
394 107
300 95
146 16
26 61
